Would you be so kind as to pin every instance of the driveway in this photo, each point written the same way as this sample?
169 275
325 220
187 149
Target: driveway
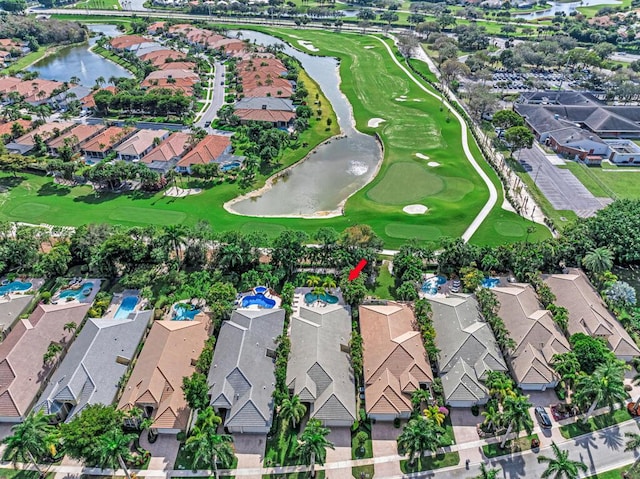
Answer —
465 425
250 451
384 440
163 452
563 190
341 439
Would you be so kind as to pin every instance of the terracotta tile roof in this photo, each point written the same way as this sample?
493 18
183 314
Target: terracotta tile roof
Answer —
22 371
159 57
177 66
5 128
172 73
172 147
154 27
587 312
127 41
10 44
137 143
156 379
206 151
80 132
8 84
185 85
393 351
29 89
105 140
45 131
265 115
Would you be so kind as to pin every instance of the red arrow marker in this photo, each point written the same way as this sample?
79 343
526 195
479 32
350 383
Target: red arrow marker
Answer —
355 272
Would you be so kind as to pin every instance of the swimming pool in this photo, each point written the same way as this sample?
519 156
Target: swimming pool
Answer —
230 166
260 289
127 305
326 297
185 312
430 286
490 282
14 286
84 291
258 299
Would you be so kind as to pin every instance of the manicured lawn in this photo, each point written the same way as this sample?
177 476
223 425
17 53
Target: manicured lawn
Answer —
594 423
13 474
453 191
357 453
588 177
29 59
99 4
384 287
294 475
429 463
511 446
614 474
608 180
591 10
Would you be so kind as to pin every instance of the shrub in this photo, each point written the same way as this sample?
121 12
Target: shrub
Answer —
475 410
396 423
46 297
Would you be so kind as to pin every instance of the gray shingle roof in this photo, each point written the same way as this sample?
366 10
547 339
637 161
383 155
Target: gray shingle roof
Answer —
90 372
241 377
265 103
468 349
318 370
11 310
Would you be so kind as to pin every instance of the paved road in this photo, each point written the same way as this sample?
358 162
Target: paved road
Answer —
563 190
218 95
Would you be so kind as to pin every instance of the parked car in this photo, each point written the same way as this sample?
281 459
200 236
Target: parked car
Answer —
543 418
207 124
455 286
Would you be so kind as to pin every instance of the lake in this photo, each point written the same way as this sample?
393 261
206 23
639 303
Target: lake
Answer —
79 61
319 185
564 7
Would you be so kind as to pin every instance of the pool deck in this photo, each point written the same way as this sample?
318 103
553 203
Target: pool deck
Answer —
36 284
267 294
83 299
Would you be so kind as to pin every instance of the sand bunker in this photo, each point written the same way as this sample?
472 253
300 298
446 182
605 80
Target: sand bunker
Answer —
369 47
433 163
415 209
421 156
401 99
181 192
308 45
375 122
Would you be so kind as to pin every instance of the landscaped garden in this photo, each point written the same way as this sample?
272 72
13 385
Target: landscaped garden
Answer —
594 423
513 445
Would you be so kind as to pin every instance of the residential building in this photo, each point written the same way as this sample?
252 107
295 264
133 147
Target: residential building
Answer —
128 42
165 156
155 386
89 102
278 111
37 91
7 127
211 149
467 350
47 131
588 313
623 152
10 311
160 57
156 27
319 369
147 48
242 374
22 368
536 335
92 370
103 143
395 363
73 137
139 144
170 74
75 93
177 65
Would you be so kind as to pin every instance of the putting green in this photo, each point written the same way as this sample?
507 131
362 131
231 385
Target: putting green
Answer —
510 228
31 212
405 183
407 231
456 189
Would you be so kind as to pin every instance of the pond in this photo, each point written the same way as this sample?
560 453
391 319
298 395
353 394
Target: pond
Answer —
564 7
79 61
319 185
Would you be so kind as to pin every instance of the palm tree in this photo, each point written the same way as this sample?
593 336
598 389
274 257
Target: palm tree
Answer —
100 81
435 414
314 281
516 415
329 283
174 236
30 440
208 448
499 384
292 410
419 435
419 397
207 418
598 260
632 444
70 326
487 473
561 467
492 418
605 386
568 368
313 444
114 448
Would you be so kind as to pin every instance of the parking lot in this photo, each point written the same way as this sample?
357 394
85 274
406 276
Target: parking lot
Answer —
563 190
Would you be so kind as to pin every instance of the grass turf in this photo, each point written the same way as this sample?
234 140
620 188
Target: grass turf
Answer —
513 445
595 423
614 474
453 191
429 463
608 181
99 5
